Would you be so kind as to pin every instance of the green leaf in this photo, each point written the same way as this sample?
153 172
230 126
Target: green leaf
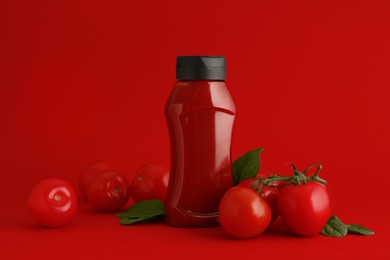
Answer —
360 230
143 211
334 228
130 221
247 166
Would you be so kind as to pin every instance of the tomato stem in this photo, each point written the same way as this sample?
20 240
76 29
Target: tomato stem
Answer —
297 178
311 167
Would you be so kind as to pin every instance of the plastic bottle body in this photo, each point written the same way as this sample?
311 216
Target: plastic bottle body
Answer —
200 116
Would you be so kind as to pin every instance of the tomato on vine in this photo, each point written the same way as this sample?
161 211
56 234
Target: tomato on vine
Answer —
243 213
304 208
269 193
303 202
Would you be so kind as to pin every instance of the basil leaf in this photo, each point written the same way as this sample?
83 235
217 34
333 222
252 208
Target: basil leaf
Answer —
130 221
334 228
247 166
360 230
143 211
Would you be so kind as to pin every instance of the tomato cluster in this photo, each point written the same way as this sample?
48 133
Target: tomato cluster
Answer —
301 201
54 202
107 190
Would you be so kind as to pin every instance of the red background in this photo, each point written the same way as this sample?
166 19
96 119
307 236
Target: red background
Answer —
87 80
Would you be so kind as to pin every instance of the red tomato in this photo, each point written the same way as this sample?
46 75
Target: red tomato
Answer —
243 213
150 182
269 194
108 191
304 208
89 172
52 203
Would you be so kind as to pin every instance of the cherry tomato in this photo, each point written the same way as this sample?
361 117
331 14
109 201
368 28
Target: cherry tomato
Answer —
108 191
89 172
150 182
269 194
52 203
243 213
304 208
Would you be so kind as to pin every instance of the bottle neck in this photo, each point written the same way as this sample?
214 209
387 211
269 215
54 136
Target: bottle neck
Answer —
200 80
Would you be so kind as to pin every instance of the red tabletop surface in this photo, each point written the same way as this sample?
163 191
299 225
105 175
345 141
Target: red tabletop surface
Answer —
82 81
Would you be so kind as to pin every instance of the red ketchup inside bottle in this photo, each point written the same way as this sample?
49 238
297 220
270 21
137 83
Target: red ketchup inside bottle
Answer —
200 115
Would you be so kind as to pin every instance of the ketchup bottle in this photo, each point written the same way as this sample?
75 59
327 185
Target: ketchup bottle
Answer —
200 114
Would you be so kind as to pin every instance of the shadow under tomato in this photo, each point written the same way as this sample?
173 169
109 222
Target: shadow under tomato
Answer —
213 232
278 228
